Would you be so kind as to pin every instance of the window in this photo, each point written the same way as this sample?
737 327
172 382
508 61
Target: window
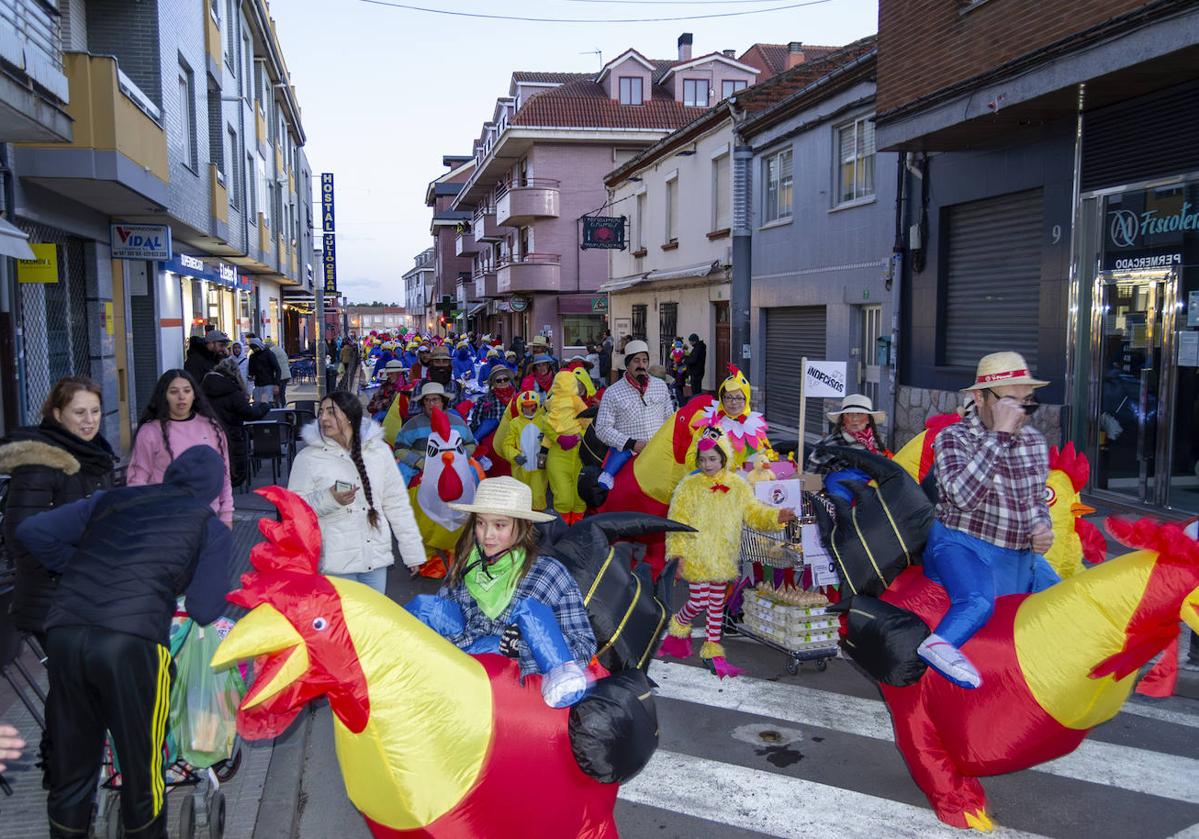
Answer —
581 330
855 160
251 187
672 211
630 90
695 93
777 180
640 313
639 225
247 52
721 187
668 328
730 86
236 174
216 137
231 36
187 116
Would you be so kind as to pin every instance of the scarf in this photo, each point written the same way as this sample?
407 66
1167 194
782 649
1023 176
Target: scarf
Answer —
638 386
865 438
504 394
493 582
544 382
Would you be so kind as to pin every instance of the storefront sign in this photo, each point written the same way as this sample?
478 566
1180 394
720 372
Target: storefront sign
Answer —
43 268
327 224
518 303
599 305
1145 230
140 241
1193 308
193 263
825 379
329 263
603 232
221 274
228 274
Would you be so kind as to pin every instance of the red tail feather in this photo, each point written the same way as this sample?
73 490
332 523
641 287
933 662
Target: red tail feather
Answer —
1094 546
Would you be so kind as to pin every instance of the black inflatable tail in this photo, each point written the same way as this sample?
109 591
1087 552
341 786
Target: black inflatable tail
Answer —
882 639
614 729
883 531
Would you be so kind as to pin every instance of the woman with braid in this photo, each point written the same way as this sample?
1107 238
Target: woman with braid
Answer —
178 417
348 476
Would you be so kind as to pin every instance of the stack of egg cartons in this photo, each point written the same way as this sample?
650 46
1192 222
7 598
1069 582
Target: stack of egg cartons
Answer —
790 617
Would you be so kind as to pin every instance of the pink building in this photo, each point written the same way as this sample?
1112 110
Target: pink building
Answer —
451 269
539 167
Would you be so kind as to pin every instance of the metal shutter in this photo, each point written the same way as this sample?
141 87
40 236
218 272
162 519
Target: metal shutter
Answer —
993 278
144 321
1142 139
793 332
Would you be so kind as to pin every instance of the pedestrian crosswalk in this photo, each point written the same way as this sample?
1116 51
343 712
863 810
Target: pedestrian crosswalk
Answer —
854 784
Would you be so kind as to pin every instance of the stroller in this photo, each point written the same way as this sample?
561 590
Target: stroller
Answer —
202 750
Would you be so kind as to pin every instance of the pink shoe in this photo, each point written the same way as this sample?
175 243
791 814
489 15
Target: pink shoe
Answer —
723 669
675 647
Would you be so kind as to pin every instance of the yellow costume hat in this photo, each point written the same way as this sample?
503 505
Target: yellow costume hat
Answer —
735 382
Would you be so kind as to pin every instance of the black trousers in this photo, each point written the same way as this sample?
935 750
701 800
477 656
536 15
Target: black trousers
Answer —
107 681
697 381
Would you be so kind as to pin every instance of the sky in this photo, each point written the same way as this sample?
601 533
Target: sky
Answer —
385 92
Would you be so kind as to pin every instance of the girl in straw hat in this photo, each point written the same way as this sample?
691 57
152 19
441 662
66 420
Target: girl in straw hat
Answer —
855 426
715 501
503 596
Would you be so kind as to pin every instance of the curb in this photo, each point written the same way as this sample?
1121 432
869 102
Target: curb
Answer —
284 780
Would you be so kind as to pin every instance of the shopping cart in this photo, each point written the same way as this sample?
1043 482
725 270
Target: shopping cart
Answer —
777 601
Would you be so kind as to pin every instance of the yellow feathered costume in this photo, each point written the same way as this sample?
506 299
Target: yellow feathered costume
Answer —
711 553
562 408
515 426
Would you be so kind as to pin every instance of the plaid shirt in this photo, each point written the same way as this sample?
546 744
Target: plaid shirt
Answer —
547 581
624 414
488 407
992 484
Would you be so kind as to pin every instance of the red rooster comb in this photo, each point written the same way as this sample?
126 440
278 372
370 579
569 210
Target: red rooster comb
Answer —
293 543
1073 463
440 423
734 370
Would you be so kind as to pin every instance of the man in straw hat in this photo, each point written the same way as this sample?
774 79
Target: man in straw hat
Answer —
992 523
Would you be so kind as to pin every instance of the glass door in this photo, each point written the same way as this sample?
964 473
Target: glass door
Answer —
1134 372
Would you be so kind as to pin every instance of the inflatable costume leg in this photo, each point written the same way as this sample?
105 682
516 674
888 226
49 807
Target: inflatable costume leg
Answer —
963 567
613 463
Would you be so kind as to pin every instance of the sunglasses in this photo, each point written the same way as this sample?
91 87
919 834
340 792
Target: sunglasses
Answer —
502 380
1029 407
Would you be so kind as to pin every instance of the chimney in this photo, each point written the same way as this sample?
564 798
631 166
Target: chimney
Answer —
795 55
685 47
729 53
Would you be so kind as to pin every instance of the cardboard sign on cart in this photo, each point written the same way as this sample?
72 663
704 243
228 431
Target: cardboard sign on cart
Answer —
789 494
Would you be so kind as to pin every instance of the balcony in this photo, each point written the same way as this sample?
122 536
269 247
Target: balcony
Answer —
116 161
219 203
533 199
33 87
464 243
532 272
484 228
485 284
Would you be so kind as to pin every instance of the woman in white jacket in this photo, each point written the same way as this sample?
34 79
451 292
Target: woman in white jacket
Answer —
348 475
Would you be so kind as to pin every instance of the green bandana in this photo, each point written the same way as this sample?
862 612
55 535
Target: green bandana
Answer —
492 585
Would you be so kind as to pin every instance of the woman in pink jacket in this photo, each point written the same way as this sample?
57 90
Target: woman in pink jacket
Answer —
178 417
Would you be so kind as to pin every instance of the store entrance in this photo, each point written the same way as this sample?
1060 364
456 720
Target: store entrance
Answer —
1135 389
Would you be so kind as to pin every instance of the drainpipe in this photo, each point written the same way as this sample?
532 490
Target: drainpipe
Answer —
739 295
899 265
1074 416
10 305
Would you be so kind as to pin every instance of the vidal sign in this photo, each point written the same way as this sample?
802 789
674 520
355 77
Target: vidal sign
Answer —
140 241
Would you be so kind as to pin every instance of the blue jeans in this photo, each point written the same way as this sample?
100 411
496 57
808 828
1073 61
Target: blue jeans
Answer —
974 573
376 579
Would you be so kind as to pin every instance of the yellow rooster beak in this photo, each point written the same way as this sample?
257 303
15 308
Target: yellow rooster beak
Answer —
1079 509
1190 610
262 632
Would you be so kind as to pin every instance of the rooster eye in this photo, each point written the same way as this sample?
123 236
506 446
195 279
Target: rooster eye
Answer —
320 624
1050 496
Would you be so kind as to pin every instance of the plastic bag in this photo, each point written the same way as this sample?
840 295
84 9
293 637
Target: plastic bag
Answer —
204 703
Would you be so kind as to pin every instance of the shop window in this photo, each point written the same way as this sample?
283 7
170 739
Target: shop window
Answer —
581 330
855 160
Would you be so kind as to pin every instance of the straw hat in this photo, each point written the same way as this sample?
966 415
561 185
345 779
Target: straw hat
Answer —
440 353
1000 369
856 403
497 370
394 366
503 497
432 389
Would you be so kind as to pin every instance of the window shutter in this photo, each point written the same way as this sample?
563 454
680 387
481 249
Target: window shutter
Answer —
792 333
993 278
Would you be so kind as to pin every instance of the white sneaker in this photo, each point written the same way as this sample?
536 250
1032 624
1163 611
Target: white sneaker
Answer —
948 660
606 481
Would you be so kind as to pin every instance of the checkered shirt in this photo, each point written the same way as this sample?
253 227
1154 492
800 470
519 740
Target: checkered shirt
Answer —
547 581
488 407
624 414
992 484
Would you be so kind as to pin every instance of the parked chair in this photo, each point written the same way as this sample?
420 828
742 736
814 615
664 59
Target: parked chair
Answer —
13 644
268 440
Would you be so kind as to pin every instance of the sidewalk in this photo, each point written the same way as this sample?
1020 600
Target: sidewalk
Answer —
23 815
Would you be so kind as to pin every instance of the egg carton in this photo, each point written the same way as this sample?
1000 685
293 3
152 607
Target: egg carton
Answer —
805 623
793 641
756 597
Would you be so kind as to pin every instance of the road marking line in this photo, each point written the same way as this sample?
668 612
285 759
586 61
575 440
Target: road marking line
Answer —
1125 767
750 799
1153 712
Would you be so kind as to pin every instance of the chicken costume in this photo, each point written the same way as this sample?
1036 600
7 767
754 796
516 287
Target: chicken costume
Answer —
746 432
449 476
716 507
1054 664
523 438
434 743
564 434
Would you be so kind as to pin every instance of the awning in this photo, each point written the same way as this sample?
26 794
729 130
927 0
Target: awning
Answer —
703 269
14 241
620 283
474 310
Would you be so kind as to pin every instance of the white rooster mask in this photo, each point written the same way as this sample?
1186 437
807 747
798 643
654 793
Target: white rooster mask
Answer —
448 477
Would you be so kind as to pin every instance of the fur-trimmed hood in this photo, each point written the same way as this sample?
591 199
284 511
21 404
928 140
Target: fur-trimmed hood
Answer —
20 453
368 432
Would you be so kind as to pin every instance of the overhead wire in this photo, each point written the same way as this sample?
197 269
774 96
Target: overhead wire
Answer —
453 13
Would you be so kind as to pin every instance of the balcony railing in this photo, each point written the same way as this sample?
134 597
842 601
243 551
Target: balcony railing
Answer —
531 272
521 202
484 227
464 243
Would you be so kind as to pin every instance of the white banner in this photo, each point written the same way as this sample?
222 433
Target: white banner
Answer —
824 379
